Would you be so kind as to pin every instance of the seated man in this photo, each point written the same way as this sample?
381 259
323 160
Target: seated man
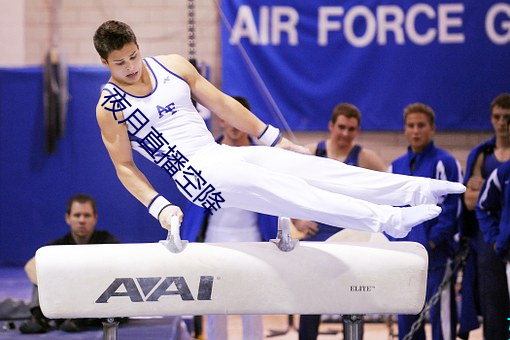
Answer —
81 216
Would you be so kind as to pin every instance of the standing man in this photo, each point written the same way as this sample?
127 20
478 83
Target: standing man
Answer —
493 212
483 268
230 225
344 127
424 159
81 217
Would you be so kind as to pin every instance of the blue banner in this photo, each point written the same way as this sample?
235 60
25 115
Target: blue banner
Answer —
295 60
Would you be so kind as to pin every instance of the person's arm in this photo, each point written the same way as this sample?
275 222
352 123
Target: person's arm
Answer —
474 184
446 224
224 106
488 208
116 140
30 270
368 159
307 228
312 148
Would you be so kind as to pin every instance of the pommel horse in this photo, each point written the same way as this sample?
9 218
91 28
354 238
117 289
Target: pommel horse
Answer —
173 277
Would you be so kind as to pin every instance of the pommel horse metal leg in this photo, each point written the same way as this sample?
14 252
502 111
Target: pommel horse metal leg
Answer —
110 329
353 327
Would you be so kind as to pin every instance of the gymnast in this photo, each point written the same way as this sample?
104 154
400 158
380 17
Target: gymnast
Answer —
147 106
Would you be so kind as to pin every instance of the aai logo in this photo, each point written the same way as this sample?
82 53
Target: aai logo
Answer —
152 288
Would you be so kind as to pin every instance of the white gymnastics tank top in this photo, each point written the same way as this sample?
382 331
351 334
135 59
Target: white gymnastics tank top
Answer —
163 121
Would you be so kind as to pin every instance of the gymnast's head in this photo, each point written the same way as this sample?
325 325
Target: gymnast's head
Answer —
116 44
112 36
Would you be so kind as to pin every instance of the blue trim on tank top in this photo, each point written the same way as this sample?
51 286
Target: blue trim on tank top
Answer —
147 95
164 67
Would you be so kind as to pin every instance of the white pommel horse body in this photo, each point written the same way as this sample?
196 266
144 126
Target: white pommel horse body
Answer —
153 279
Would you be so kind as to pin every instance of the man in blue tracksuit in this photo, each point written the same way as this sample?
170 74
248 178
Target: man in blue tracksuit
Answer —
484 278
424 159
469 230
493 212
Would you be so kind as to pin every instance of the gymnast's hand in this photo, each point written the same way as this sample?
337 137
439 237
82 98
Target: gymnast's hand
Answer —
286 144
166 215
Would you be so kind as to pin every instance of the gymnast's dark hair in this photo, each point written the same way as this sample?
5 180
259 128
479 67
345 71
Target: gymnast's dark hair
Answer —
112 35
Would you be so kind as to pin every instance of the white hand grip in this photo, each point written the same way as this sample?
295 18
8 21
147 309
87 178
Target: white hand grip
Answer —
173 240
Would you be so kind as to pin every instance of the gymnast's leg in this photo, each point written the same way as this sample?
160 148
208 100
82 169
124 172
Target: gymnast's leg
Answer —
250 187
376 187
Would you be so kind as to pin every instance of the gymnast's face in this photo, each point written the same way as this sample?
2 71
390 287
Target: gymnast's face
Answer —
82 221
344 130
125 64
419 131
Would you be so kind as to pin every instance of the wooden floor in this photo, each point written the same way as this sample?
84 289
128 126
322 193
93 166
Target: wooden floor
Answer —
279 323
159 329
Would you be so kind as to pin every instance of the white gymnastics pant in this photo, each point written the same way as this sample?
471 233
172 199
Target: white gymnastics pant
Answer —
278 182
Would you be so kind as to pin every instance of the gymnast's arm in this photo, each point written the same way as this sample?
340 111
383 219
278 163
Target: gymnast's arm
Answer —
224 106
116 140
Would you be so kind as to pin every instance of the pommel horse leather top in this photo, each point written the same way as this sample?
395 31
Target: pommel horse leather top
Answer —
124 280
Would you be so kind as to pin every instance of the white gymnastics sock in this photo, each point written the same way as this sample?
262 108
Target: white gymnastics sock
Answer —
412 216
434 191
442 188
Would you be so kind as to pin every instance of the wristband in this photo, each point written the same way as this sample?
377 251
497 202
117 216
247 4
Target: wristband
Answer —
270 136
157 205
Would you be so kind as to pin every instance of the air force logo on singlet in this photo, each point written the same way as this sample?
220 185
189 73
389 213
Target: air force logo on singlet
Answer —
168 109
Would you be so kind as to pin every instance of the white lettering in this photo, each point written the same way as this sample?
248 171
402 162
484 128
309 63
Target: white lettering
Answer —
445 22
325 25
264 25
284 19
273 23
369 34
360 25
244 26
422 24
413 35
490 23
384 13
